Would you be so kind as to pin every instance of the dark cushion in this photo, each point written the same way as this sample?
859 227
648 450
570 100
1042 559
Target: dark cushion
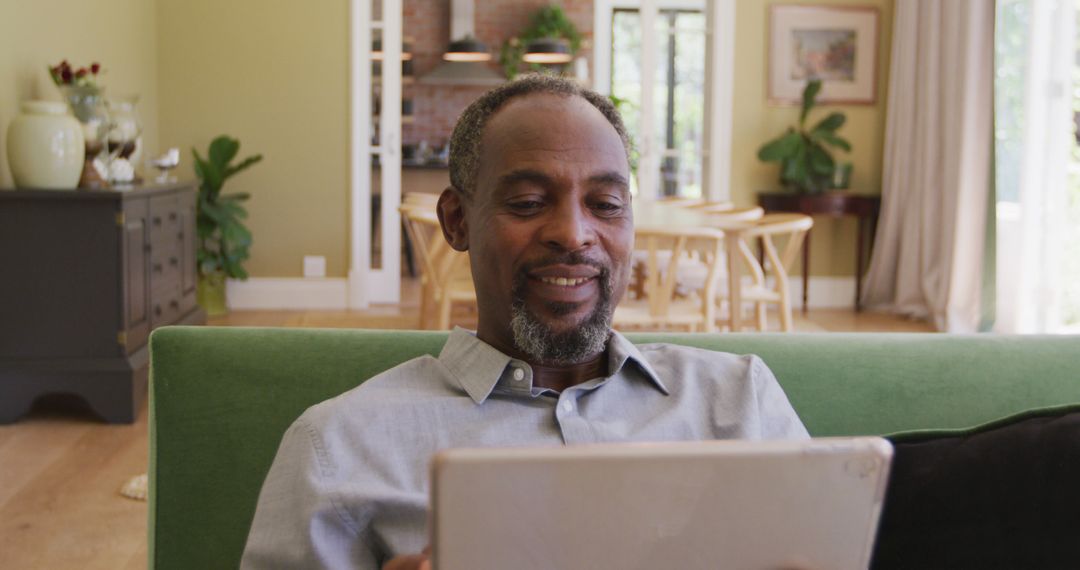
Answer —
1001 495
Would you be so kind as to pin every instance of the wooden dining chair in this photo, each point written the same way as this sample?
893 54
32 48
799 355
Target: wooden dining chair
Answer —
681 201
769 281
724 213
445 276
719 215
659 304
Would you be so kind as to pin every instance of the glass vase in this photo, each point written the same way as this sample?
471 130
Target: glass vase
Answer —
88 105
124 138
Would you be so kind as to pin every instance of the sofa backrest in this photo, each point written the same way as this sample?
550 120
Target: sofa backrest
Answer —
221 398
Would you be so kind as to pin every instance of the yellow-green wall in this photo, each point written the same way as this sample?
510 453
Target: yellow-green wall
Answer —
121 34
274 74
755 122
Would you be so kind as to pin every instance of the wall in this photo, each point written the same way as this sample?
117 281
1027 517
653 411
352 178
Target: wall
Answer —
274 74
120 34
756 122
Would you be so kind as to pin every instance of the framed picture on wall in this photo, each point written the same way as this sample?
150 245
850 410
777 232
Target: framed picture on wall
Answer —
835 44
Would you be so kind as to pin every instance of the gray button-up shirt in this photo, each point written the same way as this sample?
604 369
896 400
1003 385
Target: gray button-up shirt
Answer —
349 485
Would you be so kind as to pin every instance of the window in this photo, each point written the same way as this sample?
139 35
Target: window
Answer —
678 91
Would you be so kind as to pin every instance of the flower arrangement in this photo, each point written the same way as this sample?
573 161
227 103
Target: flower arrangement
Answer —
64 75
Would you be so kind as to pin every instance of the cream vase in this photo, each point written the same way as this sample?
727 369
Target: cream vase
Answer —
45 147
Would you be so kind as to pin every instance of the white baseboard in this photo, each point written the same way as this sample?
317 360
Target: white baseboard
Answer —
284 293
288 293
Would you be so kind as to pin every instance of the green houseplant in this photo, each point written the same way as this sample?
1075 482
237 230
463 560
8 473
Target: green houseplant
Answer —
548 22
224 241
805 162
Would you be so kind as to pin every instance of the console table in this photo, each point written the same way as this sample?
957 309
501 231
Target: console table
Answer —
836 205
87 275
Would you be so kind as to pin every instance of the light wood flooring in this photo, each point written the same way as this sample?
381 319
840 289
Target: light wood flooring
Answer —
61 469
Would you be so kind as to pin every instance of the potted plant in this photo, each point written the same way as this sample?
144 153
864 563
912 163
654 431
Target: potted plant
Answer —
549 22
224 241
805 162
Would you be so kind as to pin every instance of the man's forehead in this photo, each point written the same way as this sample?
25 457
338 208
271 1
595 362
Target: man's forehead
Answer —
544 127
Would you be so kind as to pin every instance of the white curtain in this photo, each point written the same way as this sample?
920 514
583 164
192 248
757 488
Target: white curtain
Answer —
929 248
1031 206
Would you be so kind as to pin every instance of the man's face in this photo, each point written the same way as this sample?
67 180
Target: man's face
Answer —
549 228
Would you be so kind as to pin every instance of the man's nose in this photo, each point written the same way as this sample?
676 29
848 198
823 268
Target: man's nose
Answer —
569 228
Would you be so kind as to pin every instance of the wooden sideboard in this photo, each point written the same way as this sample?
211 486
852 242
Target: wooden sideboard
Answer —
84 277
834 204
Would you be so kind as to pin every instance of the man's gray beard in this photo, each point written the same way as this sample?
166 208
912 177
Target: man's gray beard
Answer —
576 345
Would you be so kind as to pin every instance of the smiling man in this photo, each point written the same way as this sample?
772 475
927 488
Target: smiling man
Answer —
540 200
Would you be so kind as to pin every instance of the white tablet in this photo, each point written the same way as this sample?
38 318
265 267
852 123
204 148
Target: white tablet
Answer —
718 504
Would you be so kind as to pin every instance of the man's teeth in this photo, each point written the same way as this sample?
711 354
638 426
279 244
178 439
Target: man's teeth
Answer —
563 281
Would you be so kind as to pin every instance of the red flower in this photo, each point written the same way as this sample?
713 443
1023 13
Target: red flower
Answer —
65 74
80 73
95 68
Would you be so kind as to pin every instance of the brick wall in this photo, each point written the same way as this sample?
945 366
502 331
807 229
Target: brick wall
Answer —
427 24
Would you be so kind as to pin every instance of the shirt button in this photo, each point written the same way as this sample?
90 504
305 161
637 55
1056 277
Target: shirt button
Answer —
519 374
567 406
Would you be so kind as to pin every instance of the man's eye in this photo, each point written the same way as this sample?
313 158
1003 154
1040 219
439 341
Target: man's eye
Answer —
526 206
608 208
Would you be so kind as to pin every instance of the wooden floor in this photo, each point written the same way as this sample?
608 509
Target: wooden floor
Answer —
61 469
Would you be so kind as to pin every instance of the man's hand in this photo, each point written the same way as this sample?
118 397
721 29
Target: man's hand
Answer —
410 562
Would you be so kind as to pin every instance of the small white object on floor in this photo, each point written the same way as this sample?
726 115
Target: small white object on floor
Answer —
135 488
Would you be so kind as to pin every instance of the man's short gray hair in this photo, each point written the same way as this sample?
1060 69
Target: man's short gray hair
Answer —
465 141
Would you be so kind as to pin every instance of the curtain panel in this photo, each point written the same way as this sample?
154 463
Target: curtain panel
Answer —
928 256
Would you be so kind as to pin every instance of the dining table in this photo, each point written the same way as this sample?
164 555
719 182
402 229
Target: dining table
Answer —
659 215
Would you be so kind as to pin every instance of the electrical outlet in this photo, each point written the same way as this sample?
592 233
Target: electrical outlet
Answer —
314 266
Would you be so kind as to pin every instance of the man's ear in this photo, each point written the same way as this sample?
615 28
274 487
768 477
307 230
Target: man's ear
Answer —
451 210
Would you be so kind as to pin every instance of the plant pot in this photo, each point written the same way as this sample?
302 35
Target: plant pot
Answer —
210 293
45 147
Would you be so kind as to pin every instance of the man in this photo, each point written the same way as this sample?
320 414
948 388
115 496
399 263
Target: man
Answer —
540 199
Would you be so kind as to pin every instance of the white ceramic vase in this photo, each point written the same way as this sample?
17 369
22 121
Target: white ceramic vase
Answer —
45 147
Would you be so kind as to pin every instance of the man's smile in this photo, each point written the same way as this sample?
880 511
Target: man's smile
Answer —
564 283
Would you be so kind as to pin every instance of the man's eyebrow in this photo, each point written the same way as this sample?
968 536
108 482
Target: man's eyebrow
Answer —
609 178
541 179
524 175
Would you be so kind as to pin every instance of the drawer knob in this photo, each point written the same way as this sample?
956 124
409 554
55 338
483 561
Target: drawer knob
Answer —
174 304
157 268
157 310
172 216
157 220
174 261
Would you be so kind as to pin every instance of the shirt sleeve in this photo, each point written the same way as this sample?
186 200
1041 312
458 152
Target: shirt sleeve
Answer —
778 419
297 523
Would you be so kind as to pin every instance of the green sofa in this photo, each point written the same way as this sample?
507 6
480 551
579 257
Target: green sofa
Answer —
222 397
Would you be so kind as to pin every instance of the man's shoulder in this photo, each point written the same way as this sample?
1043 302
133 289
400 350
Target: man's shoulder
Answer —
663 352
687 366
407 384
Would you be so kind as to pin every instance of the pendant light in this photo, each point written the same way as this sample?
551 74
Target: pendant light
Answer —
467 49
547 50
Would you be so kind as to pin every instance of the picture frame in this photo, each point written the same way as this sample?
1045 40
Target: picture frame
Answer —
837 44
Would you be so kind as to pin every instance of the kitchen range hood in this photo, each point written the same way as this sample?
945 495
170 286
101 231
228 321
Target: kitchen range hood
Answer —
474 72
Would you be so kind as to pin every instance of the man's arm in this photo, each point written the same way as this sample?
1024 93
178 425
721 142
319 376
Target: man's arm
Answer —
777 418
297 522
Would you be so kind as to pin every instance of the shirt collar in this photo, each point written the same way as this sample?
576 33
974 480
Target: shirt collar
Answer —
479 366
